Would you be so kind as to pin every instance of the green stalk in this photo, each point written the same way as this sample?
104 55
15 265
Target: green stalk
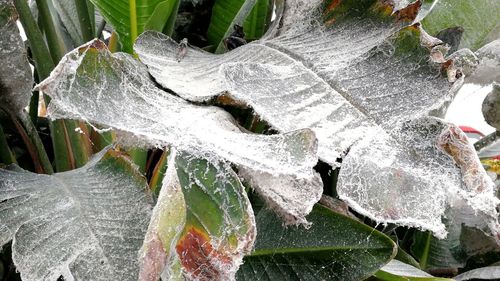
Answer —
85 24
32 133
425 254
54 42
133 20
6 155
43 61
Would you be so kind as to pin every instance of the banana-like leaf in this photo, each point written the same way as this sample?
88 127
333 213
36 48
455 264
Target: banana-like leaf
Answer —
16 80
335 247
203 223
115 90
488 70
477 18
484 273
129 17
363 79
399 271
85 224
251 14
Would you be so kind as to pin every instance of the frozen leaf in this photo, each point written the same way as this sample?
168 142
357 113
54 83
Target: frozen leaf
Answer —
491 107
477 18
115 90
85 224
203 221
362 78
484 273
488 70
16 80
341 74
414 180
290 198
335 247
396 270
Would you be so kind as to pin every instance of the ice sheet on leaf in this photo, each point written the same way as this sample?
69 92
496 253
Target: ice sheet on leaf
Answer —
203 223
488 70
290 198
16 80
85 224
410 177
115 90
341 74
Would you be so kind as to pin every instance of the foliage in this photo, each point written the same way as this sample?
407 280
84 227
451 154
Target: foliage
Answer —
241 150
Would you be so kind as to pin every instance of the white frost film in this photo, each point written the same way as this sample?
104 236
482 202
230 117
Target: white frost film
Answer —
15 73
115 90
85 224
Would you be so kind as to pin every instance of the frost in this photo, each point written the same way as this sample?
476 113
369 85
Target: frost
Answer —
115 90
15 73
363 77
292 199
203 221
488 70
85 224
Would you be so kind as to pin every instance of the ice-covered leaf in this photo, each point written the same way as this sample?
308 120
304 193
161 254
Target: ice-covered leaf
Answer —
343 72
432 167
290 198
115 90
491 107
398 271
335 247
484 273
67 12
16 80
85 224
478 18
203 221
488 70
361 77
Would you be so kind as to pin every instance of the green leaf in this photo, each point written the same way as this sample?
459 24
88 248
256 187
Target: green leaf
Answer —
251 14
85 224
335 247
437 253
161 15
211 224
399 271
479 19
131 17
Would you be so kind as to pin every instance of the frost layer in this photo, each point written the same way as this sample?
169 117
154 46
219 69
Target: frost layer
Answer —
85 224
15 73
115 90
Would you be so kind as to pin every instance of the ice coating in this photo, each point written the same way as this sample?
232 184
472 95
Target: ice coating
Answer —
203 221
342 80
15 73
115 91
85 224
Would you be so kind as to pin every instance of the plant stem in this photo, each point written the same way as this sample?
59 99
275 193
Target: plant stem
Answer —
425 254
54 42
102 25
6 155
43 61
84 19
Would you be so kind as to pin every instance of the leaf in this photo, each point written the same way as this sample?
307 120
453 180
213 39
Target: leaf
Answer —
131 17
484 273
478 18
491 107
290 198
364 80
94 85
207 228
164 13
399 271
83 224
68 14
251 14
334 248
15 73
487 67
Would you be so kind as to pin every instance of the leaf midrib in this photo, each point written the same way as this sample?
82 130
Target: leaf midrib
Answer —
274 251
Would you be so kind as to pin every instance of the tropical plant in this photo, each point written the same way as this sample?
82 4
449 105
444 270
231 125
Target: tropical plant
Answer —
315 150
